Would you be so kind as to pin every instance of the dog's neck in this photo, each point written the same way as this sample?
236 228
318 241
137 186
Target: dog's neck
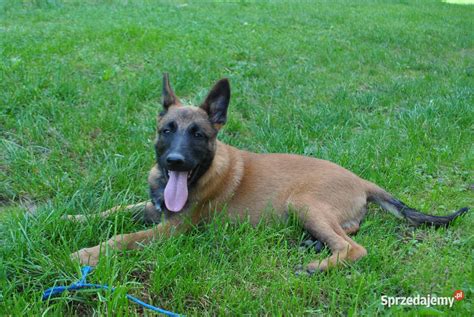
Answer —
225 172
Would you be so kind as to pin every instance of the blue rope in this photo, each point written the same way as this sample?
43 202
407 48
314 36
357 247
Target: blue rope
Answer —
56 290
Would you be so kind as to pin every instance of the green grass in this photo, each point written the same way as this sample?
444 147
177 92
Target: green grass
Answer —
383 88
460 1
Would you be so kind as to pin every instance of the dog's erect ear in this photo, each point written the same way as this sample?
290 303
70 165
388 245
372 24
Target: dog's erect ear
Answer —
168 97
217 102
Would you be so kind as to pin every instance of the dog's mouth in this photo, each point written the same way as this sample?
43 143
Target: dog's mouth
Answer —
190 174
176 190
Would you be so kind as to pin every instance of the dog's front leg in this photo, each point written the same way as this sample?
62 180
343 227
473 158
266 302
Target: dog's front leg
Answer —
157 184
90 256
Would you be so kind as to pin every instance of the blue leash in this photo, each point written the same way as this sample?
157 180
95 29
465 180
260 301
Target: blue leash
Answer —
53 291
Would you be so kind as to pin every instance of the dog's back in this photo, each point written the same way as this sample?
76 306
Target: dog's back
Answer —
267 183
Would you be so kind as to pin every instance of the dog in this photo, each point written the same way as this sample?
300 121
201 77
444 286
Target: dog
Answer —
196 175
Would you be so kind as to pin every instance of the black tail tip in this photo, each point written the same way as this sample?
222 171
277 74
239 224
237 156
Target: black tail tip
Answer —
461 211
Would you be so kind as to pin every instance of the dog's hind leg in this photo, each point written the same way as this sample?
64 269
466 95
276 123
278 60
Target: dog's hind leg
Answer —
351 227
312 242
318 219
144 211
343 250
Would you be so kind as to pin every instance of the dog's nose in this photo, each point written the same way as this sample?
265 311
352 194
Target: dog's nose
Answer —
175 159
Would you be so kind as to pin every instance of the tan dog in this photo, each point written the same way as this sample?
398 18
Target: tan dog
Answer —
196 174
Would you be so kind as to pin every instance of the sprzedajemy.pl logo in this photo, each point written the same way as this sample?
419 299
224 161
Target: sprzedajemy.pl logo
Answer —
419 300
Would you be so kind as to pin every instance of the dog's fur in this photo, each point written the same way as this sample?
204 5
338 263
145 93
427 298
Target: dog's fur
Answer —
329 201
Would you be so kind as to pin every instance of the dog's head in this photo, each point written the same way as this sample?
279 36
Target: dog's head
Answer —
186 139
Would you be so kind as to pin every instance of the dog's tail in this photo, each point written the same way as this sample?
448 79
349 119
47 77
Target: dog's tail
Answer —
400 210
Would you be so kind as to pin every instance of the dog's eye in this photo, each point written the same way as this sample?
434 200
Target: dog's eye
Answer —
198 135
168 128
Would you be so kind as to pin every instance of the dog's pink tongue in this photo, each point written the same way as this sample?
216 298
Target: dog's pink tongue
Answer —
176 191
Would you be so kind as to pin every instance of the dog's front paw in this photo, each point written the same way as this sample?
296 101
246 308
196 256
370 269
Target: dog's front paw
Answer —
75 218
86 256
152 214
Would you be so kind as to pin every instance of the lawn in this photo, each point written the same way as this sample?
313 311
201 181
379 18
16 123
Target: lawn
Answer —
383 88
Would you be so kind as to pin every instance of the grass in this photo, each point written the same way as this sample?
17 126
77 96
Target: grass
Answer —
383 88
460 1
